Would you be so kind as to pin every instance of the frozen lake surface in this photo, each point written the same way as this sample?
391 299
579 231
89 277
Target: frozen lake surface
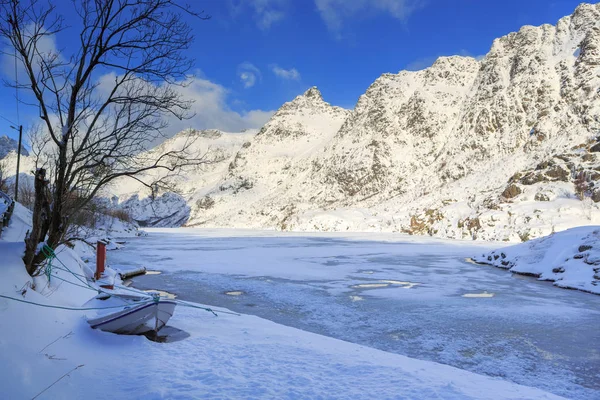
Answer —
418 297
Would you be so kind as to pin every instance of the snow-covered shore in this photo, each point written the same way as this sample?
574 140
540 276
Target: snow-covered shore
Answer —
570 259
224 357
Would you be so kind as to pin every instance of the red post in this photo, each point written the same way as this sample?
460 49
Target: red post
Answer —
100 258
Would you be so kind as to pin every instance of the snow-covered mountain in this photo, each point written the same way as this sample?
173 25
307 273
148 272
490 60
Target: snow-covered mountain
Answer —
186 190
500 148
488 148
7 145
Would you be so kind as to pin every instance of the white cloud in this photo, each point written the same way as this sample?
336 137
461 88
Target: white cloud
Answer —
420 63
212 110
268 18
46 45
210 107
467 53
265 12
291 74
248 74
333 12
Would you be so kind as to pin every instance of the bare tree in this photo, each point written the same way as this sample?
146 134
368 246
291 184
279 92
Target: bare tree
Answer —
26 192
103 104
3 177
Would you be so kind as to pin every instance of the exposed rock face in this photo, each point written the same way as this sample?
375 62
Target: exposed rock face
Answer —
164 211
449 141
577 168
511 191
397 130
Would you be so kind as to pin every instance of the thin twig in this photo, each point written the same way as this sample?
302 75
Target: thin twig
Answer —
56 381
60 337
53 357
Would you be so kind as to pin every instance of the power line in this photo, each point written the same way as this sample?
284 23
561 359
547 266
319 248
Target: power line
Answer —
17 87
8 120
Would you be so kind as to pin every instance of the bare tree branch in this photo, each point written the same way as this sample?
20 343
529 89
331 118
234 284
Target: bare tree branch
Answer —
103 104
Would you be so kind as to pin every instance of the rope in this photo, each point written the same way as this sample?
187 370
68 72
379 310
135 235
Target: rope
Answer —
50 255
49 252
67 308
66 270
186 304
76 284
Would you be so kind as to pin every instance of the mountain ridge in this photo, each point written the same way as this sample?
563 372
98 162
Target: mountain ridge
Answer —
452 150
428 151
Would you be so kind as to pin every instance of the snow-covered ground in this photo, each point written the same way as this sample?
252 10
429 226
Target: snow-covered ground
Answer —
52 353
570 259
408 295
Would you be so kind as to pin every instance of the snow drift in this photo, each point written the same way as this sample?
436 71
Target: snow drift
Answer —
570 259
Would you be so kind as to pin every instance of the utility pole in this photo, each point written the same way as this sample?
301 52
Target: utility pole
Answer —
18 161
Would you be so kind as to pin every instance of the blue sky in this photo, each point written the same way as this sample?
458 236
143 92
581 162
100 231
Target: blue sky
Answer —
254 55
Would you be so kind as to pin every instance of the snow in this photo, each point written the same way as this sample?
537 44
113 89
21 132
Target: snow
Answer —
426 152
571 259
410 295
226 357
19 224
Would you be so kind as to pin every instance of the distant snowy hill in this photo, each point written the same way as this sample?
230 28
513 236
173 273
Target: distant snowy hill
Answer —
7 145
502 148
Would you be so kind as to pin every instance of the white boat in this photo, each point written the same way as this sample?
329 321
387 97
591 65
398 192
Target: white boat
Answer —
136 318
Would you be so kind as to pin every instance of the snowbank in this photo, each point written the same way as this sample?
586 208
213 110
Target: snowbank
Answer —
571 259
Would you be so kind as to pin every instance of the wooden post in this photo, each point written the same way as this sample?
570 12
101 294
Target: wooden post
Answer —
18 162
100 258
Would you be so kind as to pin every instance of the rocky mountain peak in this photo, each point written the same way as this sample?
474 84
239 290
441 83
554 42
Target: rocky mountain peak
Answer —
310 99
306 115
586 12
313 93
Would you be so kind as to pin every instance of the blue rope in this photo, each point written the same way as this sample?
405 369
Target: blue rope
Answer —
47 250
68 308
50 254
66 270
76 284
186 304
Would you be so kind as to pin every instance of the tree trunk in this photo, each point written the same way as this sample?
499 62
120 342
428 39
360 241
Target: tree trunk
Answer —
41 214
56 231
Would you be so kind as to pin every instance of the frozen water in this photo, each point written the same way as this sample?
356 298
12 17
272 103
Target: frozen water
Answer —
423 300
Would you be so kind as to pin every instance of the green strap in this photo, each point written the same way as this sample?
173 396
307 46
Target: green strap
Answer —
50 255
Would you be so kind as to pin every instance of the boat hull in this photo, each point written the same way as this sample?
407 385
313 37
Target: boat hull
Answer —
136 319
